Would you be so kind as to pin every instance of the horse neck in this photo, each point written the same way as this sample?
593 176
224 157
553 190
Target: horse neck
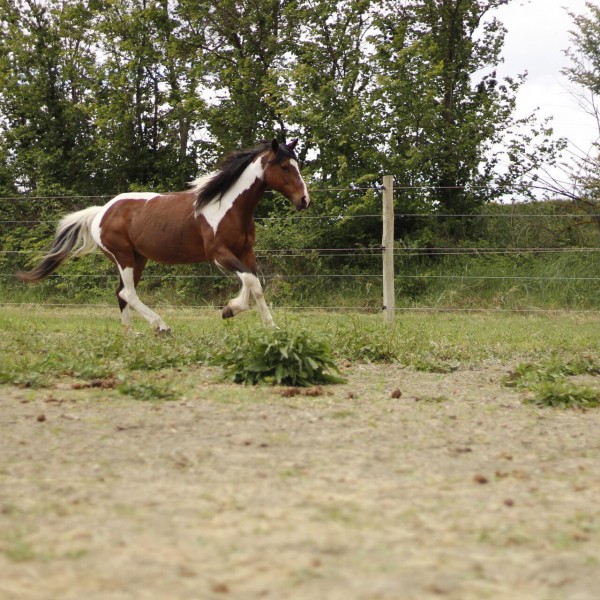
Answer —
251 187
248 199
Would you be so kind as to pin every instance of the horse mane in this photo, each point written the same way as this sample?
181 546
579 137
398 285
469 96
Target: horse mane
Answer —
211 188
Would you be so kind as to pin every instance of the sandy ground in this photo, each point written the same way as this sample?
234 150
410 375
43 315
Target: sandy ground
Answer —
454 490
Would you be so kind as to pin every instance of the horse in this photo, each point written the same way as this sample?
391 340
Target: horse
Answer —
212 221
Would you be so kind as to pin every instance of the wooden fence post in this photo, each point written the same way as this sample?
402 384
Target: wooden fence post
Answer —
387 242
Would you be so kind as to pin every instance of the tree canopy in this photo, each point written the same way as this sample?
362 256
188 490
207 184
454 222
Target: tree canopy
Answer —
101 96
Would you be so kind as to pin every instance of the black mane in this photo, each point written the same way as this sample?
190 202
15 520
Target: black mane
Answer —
230 169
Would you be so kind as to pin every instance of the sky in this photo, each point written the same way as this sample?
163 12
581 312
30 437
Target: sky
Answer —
537 36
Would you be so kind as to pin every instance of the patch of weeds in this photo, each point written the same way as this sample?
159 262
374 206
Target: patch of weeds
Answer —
562 394
20 551
527 375
291 472
547 382
147 392
433 399
342 414
432 365
369 344
76 554
93 370
278 357
23 378
154 354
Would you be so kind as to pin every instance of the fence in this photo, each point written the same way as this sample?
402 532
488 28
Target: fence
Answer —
392 253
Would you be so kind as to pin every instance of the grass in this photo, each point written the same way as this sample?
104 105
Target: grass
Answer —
42 345
549 384
563 394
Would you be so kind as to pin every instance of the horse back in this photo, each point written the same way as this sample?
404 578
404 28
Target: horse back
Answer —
161 227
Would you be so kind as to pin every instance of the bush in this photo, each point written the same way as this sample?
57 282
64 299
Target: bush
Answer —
278 357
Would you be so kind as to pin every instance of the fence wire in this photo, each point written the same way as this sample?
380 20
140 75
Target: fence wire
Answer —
373 252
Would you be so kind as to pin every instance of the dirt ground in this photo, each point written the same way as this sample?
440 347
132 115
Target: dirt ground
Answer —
454 490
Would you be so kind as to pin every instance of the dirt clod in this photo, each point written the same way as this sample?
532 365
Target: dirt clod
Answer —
290 392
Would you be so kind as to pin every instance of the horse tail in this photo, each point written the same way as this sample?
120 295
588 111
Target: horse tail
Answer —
73 238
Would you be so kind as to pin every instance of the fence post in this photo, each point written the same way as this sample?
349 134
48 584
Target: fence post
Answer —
387 242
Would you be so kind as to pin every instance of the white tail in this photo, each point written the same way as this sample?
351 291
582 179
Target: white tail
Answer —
73 238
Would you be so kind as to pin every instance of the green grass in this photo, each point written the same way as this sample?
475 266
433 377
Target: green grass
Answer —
41 345
549 385
563 394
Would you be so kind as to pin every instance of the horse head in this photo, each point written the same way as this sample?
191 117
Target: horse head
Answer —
282 173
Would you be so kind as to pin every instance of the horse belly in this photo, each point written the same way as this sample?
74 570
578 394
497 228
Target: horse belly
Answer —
171 247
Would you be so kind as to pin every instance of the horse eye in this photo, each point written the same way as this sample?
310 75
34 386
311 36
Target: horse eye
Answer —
285 167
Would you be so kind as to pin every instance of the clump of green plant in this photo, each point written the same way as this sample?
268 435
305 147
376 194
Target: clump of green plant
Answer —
528 375
548 384
147 391
278 357
361 342
562 394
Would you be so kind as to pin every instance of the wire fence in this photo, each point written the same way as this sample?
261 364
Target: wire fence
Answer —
404 253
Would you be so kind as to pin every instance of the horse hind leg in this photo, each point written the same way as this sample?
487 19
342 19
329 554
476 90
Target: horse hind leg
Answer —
138 269
124 306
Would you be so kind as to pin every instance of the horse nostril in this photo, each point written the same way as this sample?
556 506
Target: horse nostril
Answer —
303 202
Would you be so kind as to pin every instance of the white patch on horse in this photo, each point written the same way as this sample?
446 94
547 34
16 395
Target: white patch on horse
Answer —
95 228
242 301
252 283
295 164
129 294
215 210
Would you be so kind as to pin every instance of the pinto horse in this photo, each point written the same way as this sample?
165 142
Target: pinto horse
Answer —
212 221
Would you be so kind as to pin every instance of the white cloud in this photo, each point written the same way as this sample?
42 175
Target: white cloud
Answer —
537 36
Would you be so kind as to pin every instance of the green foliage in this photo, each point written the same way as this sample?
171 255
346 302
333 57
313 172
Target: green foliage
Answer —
555 369
148 391
99 97
562 394
85 348
279 357
549 386
31 356
358 341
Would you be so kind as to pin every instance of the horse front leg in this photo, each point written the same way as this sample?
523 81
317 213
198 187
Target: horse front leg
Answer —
246 271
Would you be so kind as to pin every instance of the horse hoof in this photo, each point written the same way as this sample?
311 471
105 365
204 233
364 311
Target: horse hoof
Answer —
227 312
166 331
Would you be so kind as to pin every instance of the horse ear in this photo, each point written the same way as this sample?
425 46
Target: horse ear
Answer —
292 144
274 145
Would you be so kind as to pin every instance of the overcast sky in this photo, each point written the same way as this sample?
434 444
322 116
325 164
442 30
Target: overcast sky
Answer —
538 34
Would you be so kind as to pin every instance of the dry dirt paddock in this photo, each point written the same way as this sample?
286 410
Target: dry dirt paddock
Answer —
455 490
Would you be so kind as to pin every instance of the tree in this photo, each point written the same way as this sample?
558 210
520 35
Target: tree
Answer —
241 45
45 62
583 186
446 120
146 106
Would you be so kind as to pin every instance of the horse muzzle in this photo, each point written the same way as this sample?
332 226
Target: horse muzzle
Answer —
302 203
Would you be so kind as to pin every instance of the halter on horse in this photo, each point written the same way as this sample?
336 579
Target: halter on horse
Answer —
213 221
